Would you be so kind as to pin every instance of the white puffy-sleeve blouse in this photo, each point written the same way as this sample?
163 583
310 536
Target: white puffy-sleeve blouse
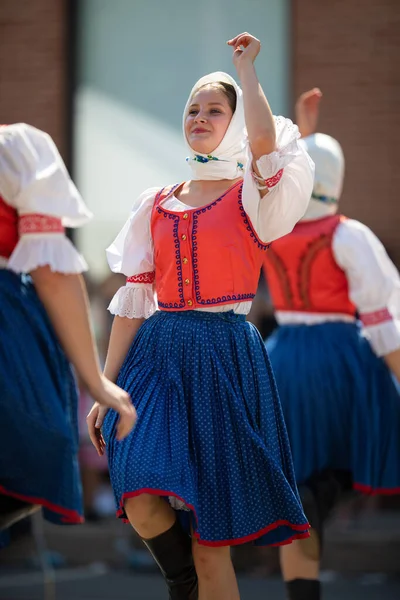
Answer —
35 181
288 174
374 283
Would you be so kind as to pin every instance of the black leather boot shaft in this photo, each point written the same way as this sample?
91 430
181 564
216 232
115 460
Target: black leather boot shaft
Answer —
172 551
303 589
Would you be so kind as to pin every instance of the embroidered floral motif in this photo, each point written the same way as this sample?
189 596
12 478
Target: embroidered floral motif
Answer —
272 181
204 159
376 318
142 278
209 158
36 223
326 199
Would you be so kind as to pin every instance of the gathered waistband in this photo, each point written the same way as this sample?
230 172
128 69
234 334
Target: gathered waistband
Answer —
229 316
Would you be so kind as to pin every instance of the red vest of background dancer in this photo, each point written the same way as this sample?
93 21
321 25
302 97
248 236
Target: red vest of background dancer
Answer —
205 256
302 273
8 229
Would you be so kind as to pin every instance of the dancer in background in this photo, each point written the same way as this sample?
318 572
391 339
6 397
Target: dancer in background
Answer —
210 436
335 354
44 325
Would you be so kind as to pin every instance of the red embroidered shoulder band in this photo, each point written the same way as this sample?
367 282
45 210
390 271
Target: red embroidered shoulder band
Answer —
36 223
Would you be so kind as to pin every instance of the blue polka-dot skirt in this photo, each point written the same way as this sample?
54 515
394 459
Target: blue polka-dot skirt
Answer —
38 407
210 435
341 404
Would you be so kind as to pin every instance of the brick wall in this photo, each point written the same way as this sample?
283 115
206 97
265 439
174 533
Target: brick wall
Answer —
33 65
351 50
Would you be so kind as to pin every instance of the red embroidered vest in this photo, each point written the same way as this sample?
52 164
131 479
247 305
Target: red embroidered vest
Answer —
302 273
8 229
205 256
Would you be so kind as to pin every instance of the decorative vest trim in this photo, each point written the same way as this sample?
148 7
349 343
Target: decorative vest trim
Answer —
302 273
205 256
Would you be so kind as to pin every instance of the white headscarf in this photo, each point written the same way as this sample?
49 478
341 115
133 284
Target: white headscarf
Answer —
229 159
328 157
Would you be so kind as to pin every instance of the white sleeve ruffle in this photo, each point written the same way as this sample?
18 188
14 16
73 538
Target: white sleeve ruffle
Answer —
131 253
374 283
33 176
52 249
135 301
289 176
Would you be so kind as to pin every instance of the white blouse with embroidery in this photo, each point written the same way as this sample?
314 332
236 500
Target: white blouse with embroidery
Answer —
374 287
289 174
35 181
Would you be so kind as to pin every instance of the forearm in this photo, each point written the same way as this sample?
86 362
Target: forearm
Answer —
393 362
122 335
65 300
258 116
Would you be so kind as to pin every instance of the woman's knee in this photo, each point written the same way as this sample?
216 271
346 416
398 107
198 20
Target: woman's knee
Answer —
142 509
208 561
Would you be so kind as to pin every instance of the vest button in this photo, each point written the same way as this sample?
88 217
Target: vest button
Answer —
190 302
185 260
184 237
187 281
185 216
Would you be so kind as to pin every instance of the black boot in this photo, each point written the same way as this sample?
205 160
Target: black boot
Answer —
303 589
13 510
172 551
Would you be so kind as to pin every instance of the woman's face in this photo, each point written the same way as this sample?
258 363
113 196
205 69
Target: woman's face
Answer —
207 120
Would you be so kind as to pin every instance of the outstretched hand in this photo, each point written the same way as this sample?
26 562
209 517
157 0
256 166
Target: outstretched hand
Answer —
307 111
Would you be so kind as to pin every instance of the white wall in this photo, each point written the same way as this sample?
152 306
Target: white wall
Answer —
137 64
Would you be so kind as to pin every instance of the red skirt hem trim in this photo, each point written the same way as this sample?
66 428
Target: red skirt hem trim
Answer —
302 529
68 515
370 491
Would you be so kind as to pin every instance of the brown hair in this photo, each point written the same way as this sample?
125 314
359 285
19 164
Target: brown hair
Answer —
225 88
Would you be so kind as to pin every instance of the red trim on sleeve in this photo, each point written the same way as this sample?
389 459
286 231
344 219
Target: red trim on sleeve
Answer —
272 181
36 223
376 318
142 278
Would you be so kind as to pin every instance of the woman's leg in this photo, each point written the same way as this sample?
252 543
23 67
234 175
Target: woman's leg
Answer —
149 515
155 522
300 571
300 561
216 576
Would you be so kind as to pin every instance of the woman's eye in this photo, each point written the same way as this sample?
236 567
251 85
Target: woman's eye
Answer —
215 110
192 112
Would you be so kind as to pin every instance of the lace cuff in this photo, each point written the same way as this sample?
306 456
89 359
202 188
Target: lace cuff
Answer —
271 165
53 249
384 337
135 301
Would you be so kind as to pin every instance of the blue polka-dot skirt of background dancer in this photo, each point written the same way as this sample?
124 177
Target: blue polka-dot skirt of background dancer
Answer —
38 407
210 435
344 402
